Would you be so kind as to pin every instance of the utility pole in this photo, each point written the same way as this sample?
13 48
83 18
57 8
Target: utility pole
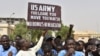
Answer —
9 24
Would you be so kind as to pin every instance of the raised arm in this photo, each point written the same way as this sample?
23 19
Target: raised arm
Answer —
10 54
39 44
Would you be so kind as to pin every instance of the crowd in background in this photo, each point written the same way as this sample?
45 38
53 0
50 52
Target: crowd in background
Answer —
48 46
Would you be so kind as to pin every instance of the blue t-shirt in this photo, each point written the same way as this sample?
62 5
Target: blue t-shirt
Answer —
41 53
5 52
64 52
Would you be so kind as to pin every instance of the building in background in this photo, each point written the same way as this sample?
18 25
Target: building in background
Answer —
85 35
7 24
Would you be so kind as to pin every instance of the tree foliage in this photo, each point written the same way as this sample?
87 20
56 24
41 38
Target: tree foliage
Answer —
33 34
20 29
30 34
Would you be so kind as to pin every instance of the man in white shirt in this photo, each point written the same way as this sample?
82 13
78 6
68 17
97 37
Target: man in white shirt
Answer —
26 51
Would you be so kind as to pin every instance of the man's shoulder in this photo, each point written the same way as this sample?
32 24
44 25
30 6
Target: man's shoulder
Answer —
79 53
1 47
12 48
20 52
62 52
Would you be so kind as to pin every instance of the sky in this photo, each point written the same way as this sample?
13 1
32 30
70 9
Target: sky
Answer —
83 14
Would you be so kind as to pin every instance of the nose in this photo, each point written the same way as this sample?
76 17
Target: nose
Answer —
5 42
71 46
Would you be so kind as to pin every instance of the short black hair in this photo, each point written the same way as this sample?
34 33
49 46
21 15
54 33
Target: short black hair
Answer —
47 46
69 39
58 36
49 39
4 36
19 36
81 42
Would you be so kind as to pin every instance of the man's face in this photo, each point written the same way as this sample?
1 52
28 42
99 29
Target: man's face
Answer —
17 39
47 52
5 42
81 46
26 43
70 44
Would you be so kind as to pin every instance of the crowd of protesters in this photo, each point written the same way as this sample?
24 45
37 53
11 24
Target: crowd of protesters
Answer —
48 46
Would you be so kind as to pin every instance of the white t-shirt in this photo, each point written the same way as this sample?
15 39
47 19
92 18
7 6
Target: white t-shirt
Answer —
31 51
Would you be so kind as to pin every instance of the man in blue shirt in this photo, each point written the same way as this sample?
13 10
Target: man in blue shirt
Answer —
5 48
70 49
46 49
